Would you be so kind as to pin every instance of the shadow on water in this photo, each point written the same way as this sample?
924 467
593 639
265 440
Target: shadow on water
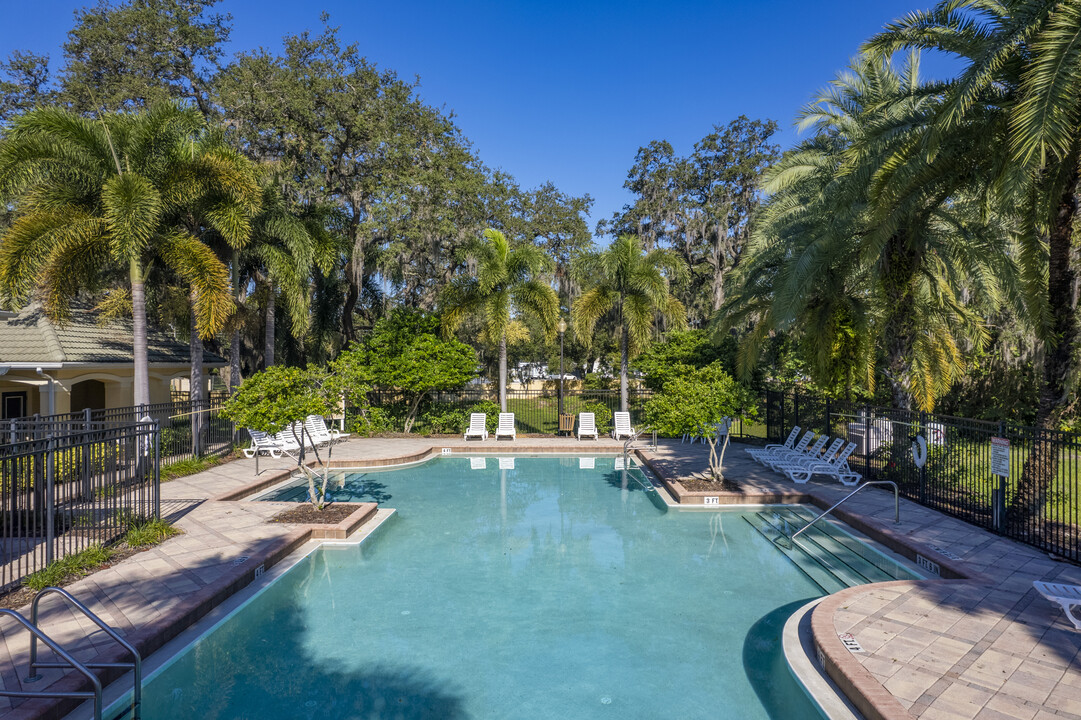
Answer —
285 681
767 669
359 489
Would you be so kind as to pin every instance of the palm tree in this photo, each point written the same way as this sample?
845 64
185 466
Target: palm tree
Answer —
90 195
505 281
911 256
1022 69
634 285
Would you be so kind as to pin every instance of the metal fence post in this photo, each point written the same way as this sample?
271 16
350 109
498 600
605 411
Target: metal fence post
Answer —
867 442
157 471
50 500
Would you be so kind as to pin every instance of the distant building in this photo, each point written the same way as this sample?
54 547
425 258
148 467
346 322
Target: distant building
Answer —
83 364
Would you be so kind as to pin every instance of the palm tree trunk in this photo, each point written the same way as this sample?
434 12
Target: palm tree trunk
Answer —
623 365
899 266
268 354
1041 465
195 383
503 372
234 336
139 351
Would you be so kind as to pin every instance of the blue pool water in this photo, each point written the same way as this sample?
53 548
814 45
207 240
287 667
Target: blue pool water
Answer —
542 591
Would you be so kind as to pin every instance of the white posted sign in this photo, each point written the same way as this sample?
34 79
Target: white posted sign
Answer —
1000 457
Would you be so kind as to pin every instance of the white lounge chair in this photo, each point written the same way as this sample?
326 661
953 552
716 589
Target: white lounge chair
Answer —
289 439
622 421
788 444
814 455
587 425
506 427
780 452
317 431
1068 596
836 467
262 443
318 423
794 458
478 423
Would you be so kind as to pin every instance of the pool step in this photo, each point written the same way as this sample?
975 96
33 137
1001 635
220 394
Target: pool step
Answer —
825 553
811 566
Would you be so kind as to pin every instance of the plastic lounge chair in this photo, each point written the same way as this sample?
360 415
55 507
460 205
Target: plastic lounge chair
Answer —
287 442
836 467
622 427
781 452
1068 596
506 427
316 429
587 425
478 423
788 444
818 455
811 454
262 443
319 424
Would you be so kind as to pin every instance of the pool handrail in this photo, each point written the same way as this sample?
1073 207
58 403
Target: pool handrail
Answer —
135 665
896 505
95 683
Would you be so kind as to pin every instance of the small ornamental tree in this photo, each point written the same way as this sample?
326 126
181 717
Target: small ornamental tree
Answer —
407 352
700 399
274 399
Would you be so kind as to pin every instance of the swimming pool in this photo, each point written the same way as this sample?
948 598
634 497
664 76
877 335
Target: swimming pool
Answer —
542 590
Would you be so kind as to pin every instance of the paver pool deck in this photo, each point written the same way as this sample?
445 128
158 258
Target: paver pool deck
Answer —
985 646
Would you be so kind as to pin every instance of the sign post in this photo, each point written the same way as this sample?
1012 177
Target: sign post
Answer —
1000 467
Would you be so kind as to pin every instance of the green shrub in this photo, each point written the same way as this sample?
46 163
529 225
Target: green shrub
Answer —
444 418
373 421
149 532
70 567
490 408
602 412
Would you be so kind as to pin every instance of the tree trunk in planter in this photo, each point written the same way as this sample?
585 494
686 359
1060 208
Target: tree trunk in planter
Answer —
195 386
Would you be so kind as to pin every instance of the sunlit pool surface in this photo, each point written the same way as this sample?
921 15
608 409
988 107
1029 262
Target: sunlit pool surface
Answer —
546 590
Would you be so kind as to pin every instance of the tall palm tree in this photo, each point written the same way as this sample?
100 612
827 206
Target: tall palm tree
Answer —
1024 69
911 255
634 286
505 281
90 195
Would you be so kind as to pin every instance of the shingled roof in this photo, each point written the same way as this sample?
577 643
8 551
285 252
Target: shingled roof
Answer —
30 336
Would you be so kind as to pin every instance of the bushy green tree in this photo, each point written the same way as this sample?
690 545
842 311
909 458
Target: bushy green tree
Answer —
275 398
407 352
697 401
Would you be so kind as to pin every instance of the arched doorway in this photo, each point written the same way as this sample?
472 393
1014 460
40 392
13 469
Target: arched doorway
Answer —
88 394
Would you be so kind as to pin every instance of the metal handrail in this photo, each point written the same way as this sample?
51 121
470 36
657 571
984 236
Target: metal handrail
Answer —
135 664
896 505
82 669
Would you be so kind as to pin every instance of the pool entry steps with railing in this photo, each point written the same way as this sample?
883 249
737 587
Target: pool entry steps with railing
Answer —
66 660
831 557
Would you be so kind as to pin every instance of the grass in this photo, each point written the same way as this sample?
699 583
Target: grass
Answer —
149 532
172 471
69 568
142 534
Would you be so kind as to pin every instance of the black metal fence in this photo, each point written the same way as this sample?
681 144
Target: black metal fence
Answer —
189 429
1039 503
76 488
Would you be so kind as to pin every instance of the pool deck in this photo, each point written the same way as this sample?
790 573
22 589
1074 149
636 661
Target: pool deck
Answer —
983 646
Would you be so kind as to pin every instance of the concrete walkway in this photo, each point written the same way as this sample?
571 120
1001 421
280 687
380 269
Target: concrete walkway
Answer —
982 647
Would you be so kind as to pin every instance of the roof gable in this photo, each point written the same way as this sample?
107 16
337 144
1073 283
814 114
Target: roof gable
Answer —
30 336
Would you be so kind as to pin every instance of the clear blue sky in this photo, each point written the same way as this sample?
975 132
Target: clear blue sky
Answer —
568 91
